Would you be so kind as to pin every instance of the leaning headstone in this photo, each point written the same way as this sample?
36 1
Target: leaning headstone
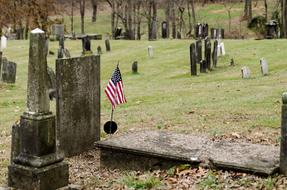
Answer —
245 72
214 53
78 103
9 71
108 45
199 51
3 43
150 51
99 50
36 163
193 62
264 67
164 29
135 67
207 53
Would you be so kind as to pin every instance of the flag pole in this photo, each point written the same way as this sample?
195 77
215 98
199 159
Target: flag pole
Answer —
112 115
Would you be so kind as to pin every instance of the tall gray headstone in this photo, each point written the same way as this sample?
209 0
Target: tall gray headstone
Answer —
108 45
35 161
198 51
214 53
283 143
193 62
264 67
207 53
9 72
150 51
245 72
78 103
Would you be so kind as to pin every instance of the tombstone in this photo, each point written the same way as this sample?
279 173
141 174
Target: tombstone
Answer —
118 33
1 54
108 46
58 30
99 50
8 74
164 30
150 51
214 54
3 42
199 30
207 53
222 49
203 66
264 67
232 63
135 67
198 51
205 30
283 139
245 72
213 34
86 46
218 49
78 103
222 33
36 162
193 62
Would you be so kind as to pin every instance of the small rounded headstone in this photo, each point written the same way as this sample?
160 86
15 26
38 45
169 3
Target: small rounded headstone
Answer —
135 67
110 127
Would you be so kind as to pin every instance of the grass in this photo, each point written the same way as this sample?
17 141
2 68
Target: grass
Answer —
146 181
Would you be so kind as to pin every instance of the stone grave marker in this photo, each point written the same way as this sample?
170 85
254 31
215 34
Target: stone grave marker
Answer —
8 71
36 163
3 43
198 51
193 62
205 30
213 33
62 51
164 30
264 67
232 63
1 54
78 103
283 144
58 30
207 53
135 67
203 66
99 50
245 72
218 49
108 45
222 49
150 51
214 53
86 46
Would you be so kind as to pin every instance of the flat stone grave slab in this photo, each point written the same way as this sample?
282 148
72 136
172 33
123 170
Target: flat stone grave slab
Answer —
152 149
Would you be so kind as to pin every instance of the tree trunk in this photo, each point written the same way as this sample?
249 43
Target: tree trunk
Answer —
266 9
284 17
82 12
72 18
229 20
95 10
248 10
138 20
173 20
168 16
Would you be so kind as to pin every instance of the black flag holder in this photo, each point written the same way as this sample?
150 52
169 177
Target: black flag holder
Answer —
111 127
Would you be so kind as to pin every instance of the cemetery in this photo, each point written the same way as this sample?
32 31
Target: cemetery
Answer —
204 109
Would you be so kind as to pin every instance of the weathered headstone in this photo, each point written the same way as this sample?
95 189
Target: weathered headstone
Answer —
1 54
99 50
62 51
222 49
205 30
193 62
264 67
164 30
86 46
8 71
207 53
203 66
213 33
78 103
218 49
3 43
198 51
245 72
58 30
214 53
283 144
35 161
108 45
150 51
135 67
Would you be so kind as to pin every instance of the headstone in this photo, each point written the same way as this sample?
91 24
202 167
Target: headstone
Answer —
8 71
86 46
193 62
222 49
205 30
135 67
214 53
222 33
3 42
218 49
264 67
108 45
232 63
36 163
164 29
78 103
245 72
203 66
58 30
207 53
283 144
198 51
150 51
118 32
213 34
1 54
99 50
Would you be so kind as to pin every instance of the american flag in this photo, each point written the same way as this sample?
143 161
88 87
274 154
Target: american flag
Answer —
114 89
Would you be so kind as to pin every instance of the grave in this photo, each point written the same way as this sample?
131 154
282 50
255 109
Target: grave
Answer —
1 54
145 150
198 45
78 103
164 30
193 62
86 46
222 49
215 53
36 163
3 43
8 73
207 53
245 72
264 67
108 45
150 51
58 30
99 50
135 67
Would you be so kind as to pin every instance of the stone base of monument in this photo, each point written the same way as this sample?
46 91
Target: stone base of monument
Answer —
46 178
158 149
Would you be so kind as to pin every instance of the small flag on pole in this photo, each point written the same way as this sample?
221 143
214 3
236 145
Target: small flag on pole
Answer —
114 89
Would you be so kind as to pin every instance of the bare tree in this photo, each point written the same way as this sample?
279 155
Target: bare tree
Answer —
284 18
82 4
95 10
248 10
